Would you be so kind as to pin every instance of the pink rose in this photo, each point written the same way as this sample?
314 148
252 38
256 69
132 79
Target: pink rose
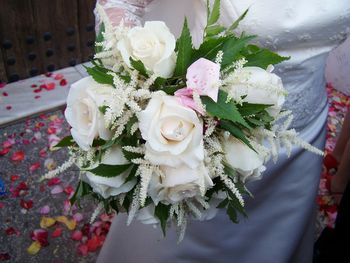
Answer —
203 77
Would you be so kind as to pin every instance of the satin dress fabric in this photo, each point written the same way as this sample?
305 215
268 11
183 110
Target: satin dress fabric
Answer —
281 215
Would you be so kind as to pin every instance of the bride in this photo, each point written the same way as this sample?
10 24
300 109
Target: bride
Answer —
280 226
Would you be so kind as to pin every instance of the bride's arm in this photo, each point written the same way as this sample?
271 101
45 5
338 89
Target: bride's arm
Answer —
130 11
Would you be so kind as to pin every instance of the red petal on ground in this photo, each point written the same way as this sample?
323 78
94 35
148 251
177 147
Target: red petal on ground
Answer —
4 256
34 166
7 144
68 190
2 205
54 181
94 243
63 82
43 153
51 130
2 85
41 236
26 204
37 90
83 249
58 76
50 86
4 151
14 178
25 141
5 94
11 231
77 235
57 232
18 156
48 74
33 86
9 107
37 97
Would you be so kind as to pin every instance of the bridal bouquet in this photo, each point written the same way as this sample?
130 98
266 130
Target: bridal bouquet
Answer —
167 132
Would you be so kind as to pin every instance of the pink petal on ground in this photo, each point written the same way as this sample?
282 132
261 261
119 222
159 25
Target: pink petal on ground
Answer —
57 232
45 210
54 181
57 190
83 249
78 217
18 156
57 76
34 166
77 235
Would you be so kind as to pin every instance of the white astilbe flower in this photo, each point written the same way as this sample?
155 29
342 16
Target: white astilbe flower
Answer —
218 58
145 172
182 223
134 206
133 149
96 212
202 202
236 65
63 167
280 137
210 127
194 209
134 128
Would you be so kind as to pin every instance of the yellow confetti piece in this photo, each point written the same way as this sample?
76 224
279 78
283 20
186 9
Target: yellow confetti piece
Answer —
46 222
34 248
70 224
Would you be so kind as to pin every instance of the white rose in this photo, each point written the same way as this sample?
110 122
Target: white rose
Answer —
178 183
248 163
152 44
110 186
260 87
82 113
173 133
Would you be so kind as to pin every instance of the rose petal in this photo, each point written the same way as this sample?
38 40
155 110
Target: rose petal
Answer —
45 210
77 235
57 232
70 224
78 217
54 181
47 222
63 82
34 248
83 249
57 190
26 204
4 256
18 156
34 166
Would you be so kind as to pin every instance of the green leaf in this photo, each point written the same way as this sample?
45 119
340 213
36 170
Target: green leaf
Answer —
162 212
223 204
131 174
100 75
130 141
233 202
139 66
247 109
130 123
214 30
209 48
231 211
98 142
106 170
184 48
236 23
103 109
232 48
65 142
229 171
222 109
214 15
261 57
82 189
235 131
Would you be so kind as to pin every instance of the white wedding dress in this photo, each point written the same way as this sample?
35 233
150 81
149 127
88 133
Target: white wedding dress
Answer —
281 216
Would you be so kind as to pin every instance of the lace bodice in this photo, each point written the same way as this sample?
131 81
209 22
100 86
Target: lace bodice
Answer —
304 30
